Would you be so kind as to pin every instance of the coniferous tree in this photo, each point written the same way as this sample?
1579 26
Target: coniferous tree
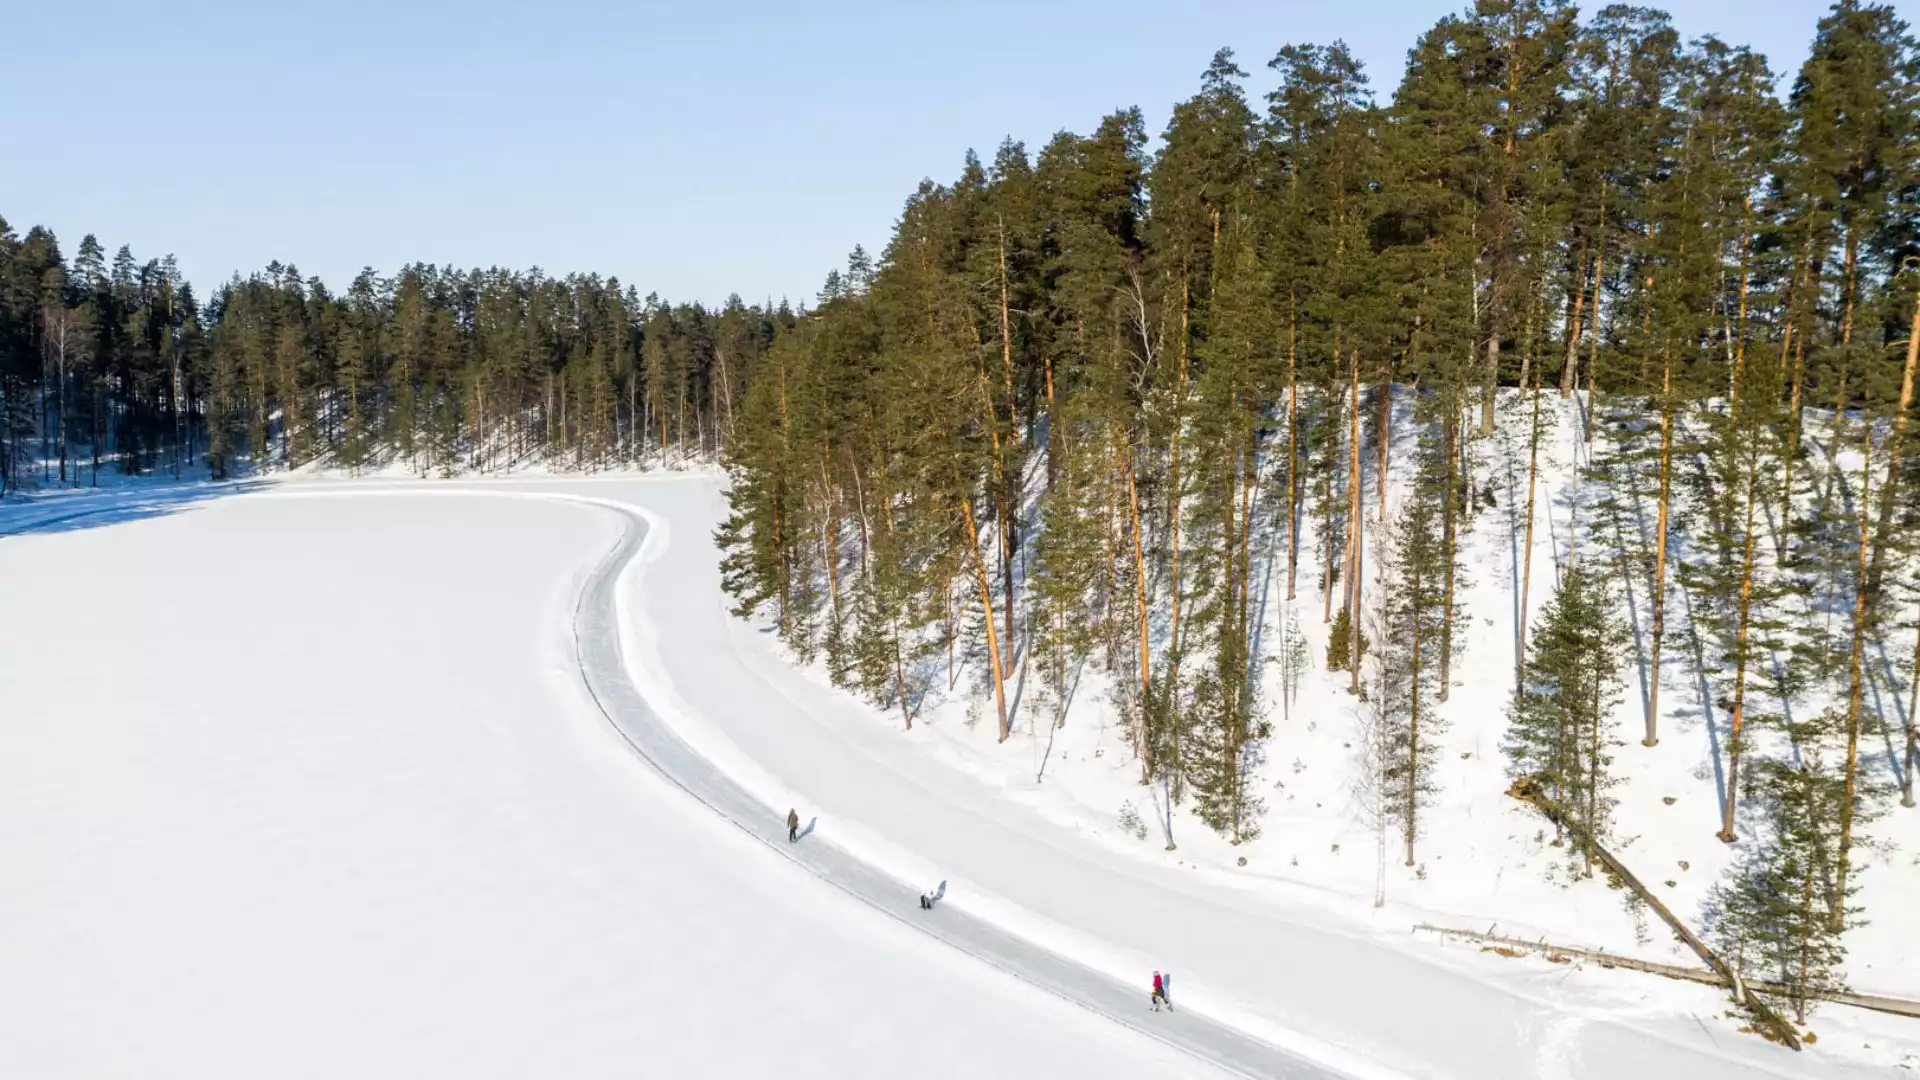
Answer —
1561 732
1770 913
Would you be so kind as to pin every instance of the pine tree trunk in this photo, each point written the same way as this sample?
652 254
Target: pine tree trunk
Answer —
1913 729
1660 551
1728 828
726 398
1856 688
1896 447
1575 307
1293 456
1792 451
1449 542
1526 556
1593 778
1009 538
832 535
1173 463
987 616
62 406
1355 535
1006 334
900 678
1894 451
1001 489
1249 470
1799 987
1385 437
1010 488
1740 325
1053 442
786 568
1593 339
1414 603
1125 449
860 504
1229 605
1489 390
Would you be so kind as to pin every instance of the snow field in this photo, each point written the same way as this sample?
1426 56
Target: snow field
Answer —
307 787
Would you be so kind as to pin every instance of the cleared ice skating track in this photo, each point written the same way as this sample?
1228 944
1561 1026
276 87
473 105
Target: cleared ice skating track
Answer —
610 682
295 789
608 678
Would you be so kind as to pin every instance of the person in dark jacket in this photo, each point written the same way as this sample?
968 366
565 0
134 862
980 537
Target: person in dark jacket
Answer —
793 826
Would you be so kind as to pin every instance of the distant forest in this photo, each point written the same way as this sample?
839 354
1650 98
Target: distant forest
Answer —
119 363
1055 424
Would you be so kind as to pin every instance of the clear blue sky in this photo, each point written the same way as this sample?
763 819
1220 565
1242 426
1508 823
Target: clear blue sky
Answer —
693 149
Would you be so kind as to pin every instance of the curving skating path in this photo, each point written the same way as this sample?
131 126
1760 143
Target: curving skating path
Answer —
604 669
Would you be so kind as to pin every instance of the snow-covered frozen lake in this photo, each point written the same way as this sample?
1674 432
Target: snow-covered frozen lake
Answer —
309 787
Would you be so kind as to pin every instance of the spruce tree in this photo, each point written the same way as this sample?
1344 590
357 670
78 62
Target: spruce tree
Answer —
1770 915
1561 732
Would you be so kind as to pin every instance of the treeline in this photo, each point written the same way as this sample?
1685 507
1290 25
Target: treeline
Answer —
118 362
1087 394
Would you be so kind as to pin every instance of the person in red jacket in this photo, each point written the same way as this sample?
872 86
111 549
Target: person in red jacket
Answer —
1159 993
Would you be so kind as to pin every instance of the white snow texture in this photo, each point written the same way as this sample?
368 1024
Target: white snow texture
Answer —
304 786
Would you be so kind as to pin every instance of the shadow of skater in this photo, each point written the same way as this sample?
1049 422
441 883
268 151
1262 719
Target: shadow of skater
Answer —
808 831
929 899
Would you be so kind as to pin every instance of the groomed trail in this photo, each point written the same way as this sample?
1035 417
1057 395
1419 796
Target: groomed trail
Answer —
603 666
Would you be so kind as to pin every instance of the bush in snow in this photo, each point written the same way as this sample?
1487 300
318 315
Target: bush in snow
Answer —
1338 646
1774 916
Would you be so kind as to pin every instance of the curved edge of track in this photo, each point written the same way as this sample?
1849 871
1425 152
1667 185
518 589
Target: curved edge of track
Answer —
610 684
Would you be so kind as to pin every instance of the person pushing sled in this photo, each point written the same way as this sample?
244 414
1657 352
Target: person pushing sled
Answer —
1160 997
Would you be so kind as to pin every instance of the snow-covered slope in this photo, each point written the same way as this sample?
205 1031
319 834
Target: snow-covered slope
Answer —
1302 966
297 787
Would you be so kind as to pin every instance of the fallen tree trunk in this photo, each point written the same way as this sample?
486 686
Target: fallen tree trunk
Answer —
1558 953
1772 1025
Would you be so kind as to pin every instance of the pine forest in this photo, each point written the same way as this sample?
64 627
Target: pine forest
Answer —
1316 388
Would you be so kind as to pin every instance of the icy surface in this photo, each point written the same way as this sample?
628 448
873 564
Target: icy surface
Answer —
303 787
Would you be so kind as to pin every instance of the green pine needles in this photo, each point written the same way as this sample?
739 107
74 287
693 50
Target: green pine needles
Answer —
1562 732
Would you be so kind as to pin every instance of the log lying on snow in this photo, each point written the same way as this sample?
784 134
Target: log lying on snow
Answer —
1876 1002
1771 1023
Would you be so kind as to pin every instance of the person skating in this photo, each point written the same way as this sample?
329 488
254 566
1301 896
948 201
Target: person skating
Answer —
793 826
1159 993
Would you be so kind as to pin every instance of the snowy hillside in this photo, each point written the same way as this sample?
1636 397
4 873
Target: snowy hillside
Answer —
1484 861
